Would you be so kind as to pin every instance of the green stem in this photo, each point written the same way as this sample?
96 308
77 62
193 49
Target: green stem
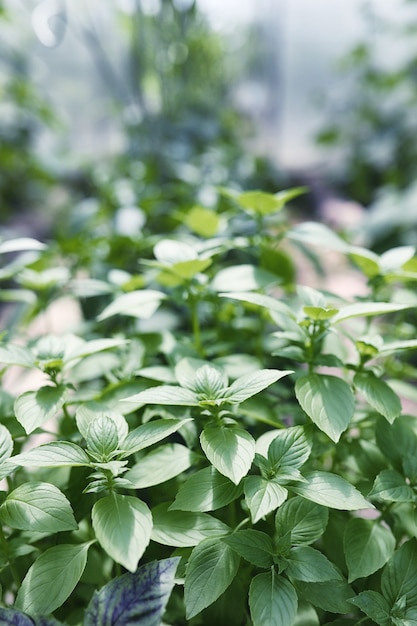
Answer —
195 324
5 547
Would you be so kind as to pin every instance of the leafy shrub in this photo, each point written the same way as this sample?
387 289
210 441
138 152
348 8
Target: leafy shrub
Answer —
215 429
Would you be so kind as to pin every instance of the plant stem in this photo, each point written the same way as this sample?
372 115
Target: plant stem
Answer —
5 547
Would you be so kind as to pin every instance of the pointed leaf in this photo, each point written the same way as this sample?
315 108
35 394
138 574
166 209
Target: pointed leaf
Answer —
244 276
166 395
266 302
6 444
54 454
318 235
184 528
102 438
231 450
328 401
248 385
210 570
379 395
332 595
263 496
374 606
367 309
134 598
391 486
290 448
37 506
141 304
147 434
86 414
368 545
34 408
206 490
170 251
51 579
310 565
332 491
113 513
272 600
305 520
399 577
253 545
160 465
12 354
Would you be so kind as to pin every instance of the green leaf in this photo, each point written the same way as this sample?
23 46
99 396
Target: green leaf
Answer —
367 545
34 408
87 348
21 244
206 490
328 401
259 299
203 222
87 413
318 235
319 313
333 595
379 395
165 394
210 570
366 260
141 304
263 496
51 579
210 381
6 444
395 258
262 203
231 450
184 528
253 545
248 385
170 251
246 277
391 486
367 309
147 434
399 577
332 491
12 354
102 438
187 269
37 506
137 598
305 520
374 606
290 448
54 454
309 565
272 600
160 465
115 512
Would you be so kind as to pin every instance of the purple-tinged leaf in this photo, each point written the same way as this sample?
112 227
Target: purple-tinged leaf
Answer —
135 598
12 617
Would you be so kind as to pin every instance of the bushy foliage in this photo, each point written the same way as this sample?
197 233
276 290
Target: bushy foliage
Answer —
211 426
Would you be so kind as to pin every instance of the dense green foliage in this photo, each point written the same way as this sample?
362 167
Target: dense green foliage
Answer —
206 408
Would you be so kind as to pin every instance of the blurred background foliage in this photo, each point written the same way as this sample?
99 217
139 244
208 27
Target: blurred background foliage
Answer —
121 114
